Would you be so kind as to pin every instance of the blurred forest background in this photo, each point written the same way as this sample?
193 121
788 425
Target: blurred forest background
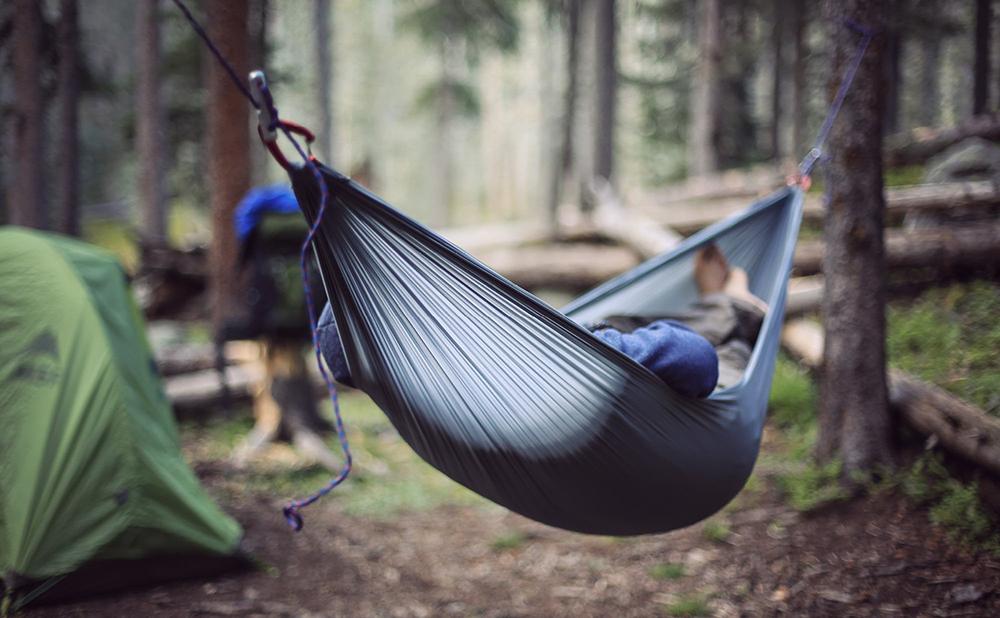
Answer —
456 112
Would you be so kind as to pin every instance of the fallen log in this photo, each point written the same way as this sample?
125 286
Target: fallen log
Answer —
735 183
804 294
957 426
203 389
920 144
561 266
630 227
188 358
945 246
688 218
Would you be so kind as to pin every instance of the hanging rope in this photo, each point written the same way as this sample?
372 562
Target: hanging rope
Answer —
805 168
269 112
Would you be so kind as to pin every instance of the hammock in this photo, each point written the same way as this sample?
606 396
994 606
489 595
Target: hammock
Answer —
518 401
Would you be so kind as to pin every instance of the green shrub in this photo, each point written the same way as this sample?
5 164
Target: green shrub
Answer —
689 605
814 485
508 541
667 570
949 336
793 397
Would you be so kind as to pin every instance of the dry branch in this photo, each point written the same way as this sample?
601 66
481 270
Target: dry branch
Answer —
203 389
945 246
631 227
561 266
918 145
959 427
689 217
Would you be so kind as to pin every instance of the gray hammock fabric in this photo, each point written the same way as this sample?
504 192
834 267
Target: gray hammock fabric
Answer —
518 401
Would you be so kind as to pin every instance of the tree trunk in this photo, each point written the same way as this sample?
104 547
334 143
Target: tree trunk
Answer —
324 80
28 207
69 142
800 96
228 150
893 76
564 166
777 38
854 405
607 88
981 70
930 89
149 125
444 179
703 155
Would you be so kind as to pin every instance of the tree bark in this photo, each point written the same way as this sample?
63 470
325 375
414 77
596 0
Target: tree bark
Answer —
69 142
28 207
324 80
564 166
777 40
228 150
800 95
703 155
981 70
854 417
607 88
149 125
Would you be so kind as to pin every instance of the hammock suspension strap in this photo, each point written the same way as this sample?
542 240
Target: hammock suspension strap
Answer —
268 125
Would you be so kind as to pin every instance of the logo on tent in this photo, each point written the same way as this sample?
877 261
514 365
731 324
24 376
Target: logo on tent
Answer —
38 362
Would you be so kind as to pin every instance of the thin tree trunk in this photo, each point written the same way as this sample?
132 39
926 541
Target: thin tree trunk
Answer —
981 71
441 214
564 166
149 125
607 87
777 38
69 143
854 418
799 92
893 74
228 149
324 70
930 89
703 156
28 206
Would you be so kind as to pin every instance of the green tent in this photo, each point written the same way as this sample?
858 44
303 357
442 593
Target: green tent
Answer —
94 492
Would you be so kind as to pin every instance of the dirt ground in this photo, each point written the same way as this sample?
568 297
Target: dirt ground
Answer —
875 556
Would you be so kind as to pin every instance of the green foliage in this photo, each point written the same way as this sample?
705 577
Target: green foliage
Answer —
954 505
814 485
792 404
693 604
903 176
667 570
949 336
462 98
389 478
482 24
511 540
715 530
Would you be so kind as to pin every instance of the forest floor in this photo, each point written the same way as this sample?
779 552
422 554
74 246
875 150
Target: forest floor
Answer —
400 540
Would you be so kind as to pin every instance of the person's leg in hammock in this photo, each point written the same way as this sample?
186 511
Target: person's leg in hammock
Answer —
726 314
